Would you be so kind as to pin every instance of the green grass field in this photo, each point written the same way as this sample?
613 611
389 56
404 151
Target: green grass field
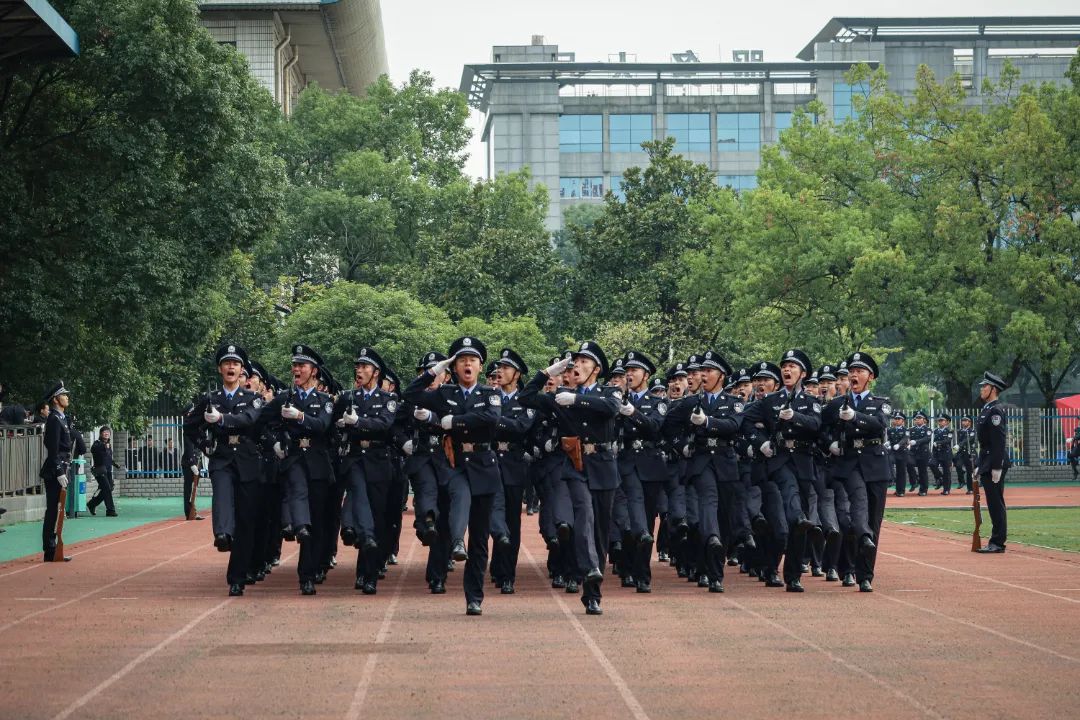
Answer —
1057 528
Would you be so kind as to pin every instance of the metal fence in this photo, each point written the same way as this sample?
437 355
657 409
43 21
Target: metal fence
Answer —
156 451
1015 424
1055 430
22 451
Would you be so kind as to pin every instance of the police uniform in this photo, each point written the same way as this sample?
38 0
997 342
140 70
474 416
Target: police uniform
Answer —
862 463
474 478
994 463
103 473
942 455
60 442
921 439
899 437
967 450
366 418
303 447
1074 453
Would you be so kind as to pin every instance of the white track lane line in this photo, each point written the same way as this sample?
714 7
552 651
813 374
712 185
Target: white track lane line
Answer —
616 679
357 704
929 712
951 539
991 631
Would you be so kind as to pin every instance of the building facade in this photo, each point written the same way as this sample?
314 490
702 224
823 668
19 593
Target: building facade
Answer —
579 125
291 43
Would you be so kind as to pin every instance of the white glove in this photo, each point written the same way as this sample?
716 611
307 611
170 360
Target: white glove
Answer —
340 422
440 367
956 448
787 413
896 447
627 409
847 413
350 417
565 398
194 470
278 451
995 476
834 448
421 414
698 417
212 415
558 368
447 422
289 412
407 448
63 480
749 451
767 449
550 446
688 451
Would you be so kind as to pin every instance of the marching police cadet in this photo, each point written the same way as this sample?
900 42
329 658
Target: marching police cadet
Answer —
511 436
303 415
942 453
921 439
103 472
712 419
859 422
965 453
899 439
268 516
673 444
784 427
641 464
468 412
993 459
366 416
586 413
398 495
621 564
60 440
839 557
335 496
748 497
1073 455
229 417
549 460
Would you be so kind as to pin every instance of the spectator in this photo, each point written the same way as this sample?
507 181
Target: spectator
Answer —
103 467
149 455
170 459
133 457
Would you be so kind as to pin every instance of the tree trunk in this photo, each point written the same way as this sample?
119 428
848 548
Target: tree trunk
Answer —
958 394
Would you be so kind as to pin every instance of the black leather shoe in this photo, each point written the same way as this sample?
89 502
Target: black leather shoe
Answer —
572 587
369 588
804 568
558 581
551 543
646 539
359 583
865 586
563 531
732 561
348 536
249 579
369 545
382 573
458 551
392 559
795 586
473 608
662 557
773 580
680 572
288 534
304 533
750 543
805 524
716 586
236 590
320 577
849 580
116 514
222 542
507 587
92 509
703 581
627 582
438 587
867 547
594 576
503 540
991 548
644 587
832 576
593 608
428 534
816 572
307 588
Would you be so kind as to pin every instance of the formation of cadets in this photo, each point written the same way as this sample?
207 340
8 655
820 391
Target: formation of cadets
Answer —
778 470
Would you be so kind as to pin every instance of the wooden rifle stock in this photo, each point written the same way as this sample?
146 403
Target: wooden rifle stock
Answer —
61 511
448 449
572 447
976 507
191 499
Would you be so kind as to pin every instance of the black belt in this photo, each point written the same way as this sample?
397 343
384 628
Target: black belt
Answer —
789 444
640 445
711 443
858 444
369 444
509 446
472 447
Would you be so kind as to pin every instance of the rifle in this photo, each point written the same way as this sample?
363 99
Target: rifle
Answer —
208 438
61 502
976 507
843 431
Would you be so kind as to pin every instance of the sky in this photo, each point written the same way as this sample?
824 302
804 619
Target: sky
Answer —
441 36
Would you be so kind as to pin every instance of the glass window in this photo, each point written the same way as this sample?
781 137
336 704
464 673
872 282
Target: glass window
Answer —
627 132
690 130
738 132
737 182
573 188
581 133
617 188
842 92
781 121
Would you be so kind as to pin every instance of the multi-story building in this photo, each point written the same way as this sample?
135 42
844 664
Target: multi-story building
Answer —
290 43
579 125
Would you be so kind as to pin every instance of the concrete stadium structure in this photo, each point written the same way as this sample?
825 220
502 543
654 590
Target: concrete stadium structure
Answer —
338 44
578 125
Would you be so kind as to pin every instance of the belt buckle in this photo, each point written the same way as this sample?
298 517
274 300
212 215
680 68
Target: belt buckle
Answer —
711 442
432 440
234 439
637 444
467 447
365 443
503 446
304 443
857 443
588 448
789 444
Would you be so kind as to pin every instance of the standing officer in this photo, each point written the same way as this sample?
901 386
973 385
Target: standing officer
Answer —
1074 453
993 459
859 423
511 435
229 415
899 438
965 453
943 453
468 412
921 438
60 440
103 472
302 415
365 415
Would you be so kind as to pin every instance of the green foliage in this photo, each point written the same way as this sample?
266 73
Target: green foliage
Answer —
521 334
131 174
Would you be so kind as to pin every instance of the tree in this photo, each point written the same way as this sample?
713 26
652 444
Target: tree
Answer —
131 175
521 334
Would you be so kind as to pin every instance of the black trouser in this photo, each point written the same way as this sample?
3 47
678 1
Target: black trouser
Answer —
574 504
332 524
439 551
104 492
52 512
311 549
479 530
995 504
838 552
370 562
397 498
941 465
963 470
246 508
426 494
265 532
922 464
900 472
504 559
601 511
651 494
189 483
867 510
